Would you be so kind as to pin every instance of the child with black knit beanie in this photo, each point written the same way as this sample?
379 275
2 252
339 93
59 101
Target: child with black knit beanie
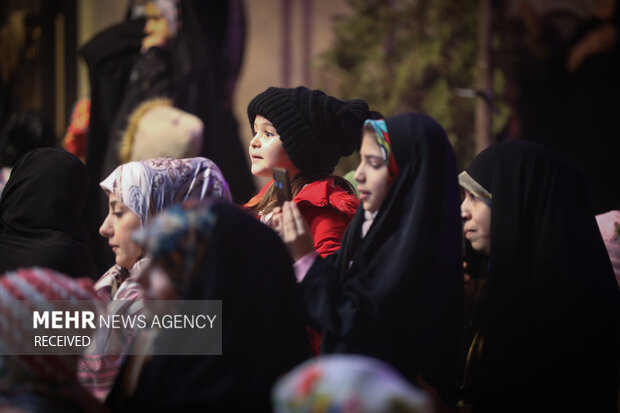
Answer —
306 132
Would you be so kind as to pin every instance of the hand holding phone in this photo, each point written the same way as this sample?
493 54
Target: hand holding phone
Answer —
281 185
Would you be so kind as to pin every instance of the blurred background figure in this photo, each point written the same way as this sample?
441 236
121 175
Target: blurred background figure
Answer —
156 129
41 215
186 51
21 133
561 65
74 140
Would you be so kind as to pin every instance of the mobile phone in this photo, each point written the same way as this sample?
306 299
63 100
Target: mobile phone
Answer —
281 185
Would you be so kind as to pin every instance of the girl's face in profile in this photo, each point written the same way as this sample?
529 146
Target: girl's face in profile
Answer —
118 226
266 150
372 174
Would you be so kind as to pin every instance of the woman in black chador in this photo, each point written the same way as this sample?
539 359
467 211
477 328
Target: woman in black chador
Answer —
41 215
545 322
394 289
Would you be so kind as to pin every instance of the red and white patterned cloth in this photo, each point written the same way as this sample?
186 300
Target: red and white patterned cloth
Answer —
39 382
98 372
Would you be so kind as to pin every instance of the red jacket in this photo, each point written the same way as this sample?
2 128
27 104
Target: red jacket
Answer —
328 208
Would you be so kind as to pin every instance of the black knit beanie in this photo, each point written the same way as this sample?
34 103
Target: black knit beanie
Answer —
315 129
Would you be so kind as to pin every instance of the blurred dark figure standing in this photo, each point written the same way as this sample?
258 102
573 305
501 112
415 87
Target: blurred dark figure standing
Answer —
22 132
567 75
593 64
188 51
110 55
4 99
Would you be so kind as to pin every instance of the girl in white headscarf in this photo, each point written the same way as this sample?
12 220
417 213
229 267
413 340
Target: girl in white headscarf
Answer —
137 191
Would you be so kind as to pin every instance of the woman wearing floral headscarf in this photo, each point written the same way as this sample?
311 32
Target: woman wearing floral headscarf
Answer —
137 191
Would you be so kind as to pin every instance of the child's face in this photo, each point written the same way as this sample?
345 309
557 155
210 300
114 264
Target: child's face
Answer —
372 175
118 226
476 217
266 151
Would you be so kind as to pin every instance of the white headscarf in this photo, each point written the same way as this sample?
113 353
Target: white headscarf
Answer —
169 10
155 184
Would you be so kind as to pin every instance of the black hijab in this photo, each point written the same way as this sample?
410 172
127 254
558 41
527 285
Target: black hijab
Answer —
401 298
246 266
547 322
41 215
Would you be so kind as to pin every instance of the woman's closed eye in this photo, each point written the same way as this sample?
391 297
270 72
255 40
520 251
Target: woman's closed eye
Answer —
117 213
375 162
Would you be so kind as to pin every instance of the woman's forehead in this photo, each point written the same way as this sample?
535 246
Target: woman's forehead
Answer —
370 145
113 199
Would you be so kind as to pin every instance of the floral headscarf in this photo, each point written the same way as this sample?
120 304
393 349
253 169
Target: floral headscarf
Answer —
152 185
347 383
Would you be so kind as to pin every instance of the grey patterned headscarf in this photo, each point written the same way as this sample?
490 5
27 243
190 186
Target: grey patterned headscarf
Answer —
155 184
